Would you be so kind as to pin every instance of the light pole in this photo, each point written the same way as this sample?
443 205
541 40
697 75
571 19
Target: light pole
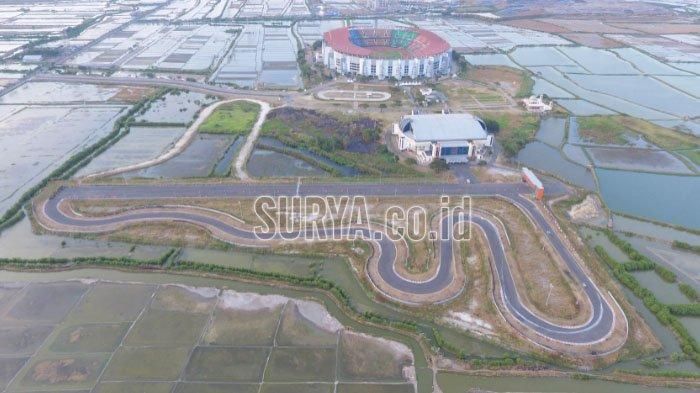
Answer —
546 303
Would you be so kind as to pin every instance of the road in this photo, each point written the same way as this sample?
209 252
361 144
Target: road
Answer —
221 91
596 329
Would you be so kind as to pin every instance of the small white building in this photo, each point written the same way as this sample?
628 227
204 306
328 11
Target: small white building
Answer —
454 137
536 104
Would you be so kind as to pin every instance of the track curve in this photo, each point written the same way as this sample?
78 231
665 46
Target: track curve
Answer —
599 326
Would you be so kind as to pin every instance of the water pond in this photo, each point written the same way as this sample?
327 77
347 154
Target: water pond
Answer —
671 199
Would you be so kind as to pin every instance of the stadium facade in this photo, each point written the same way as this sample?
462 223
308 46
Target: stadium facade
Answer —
384 53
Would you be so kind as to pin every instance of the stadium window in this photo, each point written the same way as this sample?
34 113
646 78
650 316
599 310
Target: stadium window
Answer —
373 69
405 69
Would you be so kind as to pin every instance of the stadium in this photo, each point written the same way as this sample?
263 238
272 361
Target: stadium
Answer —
386 53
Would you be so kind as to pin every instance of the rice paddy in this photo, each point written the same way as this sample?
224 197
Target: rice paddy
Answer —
128 337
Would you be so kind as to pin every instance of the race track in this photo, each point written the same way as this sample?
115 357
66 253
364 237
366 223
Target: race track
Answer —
599 326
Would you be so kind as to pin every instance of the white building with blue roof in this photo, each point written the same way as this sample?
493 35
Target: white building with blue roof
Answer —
454 137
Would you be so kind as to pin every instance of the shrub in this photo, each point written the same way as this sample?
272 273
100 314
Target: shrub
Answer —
686 247
689 292
685 310
439 165
665 274
492 125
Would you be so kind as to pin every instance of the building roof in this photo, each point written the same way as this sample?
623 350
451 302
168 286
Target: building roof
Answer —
398 43
444 127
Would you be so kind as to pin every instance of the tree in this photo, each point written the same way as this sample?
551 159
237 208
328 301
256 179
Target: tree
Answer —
382 106
317 45
439 165
492 126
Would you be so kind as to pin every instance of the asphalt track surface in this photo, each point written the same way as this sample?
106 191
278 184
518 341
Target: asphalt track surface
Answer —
596 329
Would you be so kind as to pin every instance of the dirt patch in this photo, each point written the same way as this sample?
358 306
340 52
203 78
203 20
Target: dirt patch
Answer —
590 210
507 78
592 40
63 371
491 174
536 24
364 357
132 93
587 26
660 28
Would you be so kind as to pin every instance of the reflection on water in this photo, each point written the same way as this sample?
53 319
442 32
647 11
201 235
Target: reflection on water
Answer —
268 163
667 198
548 159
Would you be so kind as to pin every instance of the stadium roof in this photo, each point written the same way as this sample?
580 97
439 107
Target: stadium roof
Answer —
444 127
402 43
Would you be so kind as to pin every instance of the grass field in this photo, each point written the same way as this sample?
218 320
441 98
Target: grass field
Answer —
134 387
111 303
146 363
227 364
611 130
89 338
243 327
162 327
301 364
236 118
516 130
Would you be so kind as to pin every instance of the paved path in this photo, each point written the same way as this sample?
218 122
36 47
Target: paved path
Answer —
596 329
187 138
247 148
221 91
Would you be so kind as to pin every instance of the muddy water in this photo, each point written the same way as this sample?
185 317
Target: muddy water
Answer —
666 198
543 157
343 170
268 163
18 241
455 383
551 131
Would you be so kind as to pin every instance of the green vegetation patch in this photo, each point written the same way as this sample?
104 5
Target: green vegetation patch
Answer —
611 129
295 330
236 118
352 141
166 328
301 364
146 364
297 388
514 130
374 388
363 358
692 155
176 298
216 388
602 129
47 302
134 387
22 340
243 327
62 373
212 364
89 338
111 302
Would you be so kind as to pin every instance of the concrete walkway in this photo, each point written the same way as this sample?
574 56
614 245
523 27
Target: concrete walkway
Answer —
247 148
188 137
